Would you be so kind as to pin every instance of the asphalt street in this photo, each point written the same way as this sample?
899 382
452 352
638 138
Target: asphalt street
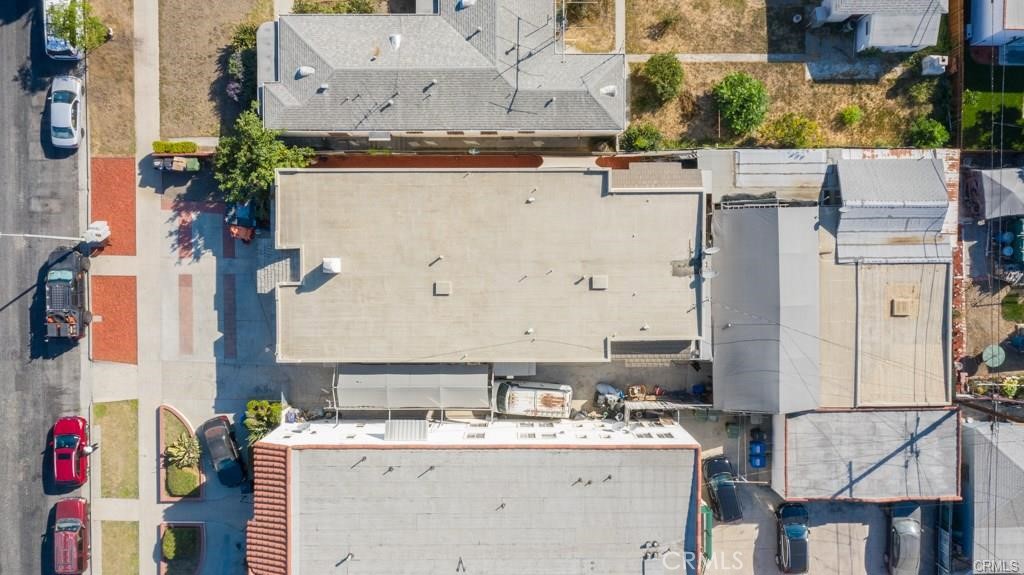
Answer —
39 194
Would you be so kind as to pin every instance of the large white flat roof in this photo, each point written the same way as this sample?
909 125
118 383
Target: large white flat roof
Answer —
496 505
519 272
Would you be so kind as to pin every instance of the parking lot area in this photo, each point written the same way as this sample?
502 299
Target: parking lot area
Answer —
845 538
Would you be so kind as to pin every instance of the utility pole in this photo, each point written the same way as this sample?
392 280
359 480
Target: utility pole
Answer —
97 233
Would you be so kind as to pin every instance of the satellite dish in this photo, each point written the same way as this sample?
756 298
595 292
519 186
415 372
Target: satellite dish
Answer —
711 250
994 355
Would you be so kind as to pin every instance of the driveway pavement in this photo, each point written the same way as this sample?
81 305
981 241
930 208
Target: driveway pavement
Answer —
845 538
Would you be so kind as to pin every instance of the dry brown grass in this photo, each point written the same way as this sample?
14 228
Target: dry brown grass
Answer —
713 26
193 36
111 85
596 31
694 117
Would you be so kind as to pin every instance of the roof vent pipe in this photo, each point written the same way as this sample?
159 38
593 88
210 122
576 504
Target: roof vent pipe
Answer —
395 40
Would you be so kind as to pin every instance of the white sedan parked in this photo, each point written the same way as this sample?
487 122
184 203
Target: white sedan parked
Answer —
66 130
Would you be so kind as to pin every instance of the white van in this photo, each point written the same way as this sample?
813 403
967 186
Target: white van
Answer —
533 399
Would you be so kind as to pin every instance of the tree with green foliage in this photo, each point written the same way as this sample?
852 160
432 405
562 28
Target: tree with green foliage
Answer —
850 116
927 133
664 73
246 161
76 24
743 102
261 417
792 131
184 452
641 137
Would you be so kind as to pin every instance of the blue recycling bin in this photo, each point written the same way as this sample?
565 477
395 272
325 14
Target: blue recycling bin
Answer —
757 448
757 461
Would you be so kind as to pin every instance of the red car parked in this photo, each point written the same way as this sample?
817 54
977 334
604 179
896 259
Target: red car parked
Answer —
71 546
70 455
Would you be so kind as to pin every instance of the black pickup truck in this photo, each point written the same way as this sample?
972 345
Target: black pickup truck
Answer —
66 316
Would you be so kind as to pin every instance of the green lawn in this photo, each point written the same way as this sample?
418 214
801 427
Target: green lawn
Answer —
119 450
120 547
991 101
1013 308
180 549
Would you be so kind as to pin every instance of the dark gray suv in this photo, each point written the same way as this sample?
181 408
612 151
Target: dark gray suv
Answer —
721 482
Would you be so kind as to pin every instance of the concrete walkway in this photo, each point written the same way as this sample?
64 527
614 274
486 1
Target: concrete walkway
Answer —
700 58
620 25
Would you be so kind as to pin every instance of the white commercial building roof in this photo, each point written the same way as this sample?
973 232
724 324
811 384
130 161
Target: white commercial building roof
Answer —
486 265
493 499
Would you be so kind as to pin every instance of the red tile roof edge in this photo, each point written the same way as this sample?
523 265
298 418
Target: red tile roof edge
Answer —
267 536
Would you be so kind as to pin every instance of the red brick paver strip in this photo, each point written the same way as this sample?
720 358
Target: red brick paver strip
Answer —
228 247
112 199
185 317
115 328
230 320
185 235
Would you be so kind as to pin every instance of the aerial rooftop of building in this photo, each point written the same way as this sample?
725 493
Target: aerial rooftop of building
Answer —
473 66
870 455
545 498
487 265
994 455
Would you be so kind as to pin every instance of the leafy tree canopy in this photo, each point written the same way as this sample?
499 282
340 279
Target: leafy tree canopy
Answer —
76 24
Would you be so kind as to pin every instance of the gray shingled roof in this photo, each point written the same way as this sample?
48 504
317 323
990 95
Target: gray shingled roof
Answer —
889 6
456 70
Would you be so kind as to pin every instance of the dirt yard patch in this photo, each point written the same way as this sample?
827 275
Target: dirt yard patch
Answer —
113 200
193 38
120 547
111 86
693 118
987 325
715 26
590 27
119 451
115 319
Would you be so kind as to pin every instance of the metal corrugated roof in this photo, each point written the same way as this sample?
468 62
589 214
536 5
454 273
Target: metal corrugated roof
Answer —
433 386
892 182
888 6
891 30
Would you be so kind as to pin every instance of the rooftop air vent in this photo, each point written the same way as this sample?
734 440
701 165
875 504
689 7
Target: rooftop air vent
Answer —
598 283
610 90
901 307
395 40
303 71
442 288
331 265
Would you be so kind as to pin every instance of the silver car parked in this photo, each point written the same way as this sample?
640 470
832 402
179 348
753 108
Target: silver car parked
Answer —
66 130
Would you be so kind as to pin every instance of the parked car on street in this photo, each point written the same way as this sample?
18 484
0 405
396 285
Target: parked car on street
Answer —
219 445
70 450
71 545
721 482
56 47
66 316
791 553
903 549
66 129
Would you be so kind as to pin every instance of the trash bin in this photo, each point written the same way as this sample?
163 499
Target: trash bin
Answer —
756 448
757 461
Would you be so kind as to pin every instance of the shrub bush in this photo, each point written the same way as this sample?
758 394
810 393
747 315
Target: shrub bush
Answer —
1009 387
183 452
261 417
334 7
180 543
792 131
244 37
182 482
164 147
850 116
641 137
667 21
923 92
664 73
743 101
927 133
971 98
